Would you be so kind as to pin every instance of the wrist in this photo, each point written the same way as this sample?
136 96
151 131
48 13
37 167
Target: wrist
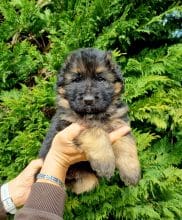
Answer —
52 166
50 179
58 158
15 193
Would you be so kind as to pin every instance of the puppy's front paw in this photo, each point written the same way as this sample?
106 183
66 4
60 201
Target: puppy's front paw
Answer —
85 183
130 173
97 147
127 160
103 165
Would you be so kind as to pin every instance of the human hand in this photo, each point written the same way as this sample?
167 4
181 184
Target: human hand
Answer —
19 187
64 149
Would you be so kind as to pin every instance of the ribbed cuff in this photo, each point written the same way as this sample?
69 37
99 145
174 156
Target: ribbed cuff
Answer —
47 197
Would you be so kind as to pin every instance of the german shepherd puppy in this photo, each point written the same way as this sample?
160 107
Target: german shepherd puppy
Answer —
89 88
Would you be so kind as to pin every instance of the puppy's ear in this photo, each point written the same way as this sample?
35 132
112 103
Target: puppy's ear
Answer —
114 67
65 67
108 58
60 78
119 78
70 59
118 74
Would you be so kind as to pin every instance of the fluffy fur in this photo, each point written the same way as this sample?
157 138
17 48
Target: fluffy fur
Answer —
89 88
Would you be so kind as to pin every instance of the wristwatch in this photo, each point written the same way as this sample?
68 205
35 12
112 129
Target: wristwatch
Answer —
6 199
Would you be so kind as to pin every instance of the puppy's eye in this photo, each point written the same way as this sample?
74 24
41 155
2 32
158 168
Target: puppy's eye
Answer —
78 78
99 78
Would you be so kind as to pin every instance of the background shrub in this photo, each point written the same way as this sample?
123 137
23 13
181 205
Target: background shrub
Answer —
145 38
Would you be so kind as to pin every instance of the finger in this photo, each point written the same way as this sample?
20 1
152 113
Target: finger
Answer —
78 158
71 132
73 150
115 135
34 165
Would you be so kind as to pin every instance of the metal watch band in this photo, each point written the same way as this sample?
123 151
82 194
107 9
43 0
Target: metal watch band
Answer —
50 178
7 201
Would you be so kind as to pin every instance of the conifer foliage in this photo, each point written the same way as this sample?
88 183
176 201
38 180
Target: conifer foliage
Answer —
145 38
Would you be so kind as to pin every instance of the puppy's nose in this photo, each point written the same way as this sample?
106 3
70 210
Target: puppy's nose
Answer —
88 99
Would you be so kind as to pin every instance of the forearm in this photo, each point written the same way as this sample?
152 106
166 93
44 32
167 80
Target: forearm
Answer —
46 201
53 167
47 198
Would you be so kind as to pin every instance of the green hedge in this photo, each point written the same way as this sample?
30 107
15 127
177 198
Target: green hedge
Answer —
145 38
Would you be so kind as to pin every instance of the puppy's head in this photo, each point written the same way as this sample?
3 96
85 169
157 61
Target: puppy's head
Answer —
90 80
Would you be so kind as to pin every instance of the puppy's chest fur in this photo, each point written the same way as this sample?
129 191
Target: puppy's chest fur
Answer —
110 120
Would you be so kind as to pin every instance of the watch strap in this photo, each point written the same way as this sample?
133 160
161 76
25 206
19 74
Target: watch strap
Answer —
6 199
51 178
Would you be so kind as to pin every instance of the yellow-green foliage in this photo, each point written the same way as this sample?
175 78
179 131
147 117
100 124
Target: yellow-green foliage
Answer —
145 37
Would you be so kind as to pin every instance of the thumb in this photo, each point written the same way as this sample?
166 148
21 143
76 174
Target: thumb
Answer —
34 166
120 132
70 132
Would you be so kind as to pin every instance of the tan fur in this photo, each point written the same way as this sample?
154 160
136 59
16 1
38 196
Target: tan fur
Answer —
117 88
108 76
84 183
103 158
101 69
64 103
97 147
78 68
75 70
99 152
127 160
61 91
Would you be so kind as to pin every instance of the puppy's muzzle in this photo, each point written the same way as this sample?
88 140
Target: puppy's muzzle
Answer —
89 100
